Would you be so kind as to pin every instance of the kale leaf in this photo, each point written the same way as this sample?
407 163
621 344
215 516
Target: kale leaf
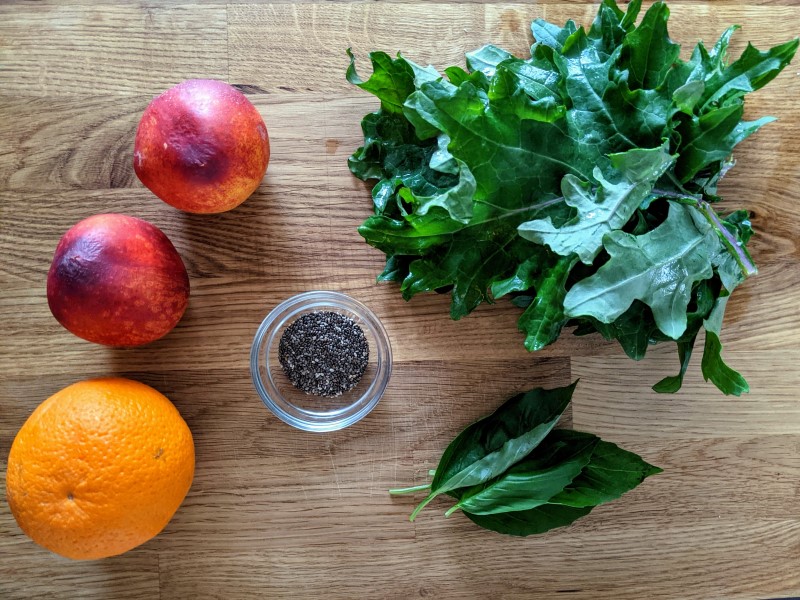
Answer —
578 180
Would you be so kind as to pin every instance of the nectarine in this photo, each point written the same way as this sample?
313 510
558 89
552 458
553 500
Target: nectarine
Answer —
201 146
117 280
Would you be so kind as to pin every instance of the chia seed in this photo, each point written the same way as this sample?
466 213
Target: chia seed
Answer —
324 353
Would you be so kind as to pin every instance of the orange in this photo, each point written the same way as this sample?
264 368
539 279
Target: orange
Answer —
99 468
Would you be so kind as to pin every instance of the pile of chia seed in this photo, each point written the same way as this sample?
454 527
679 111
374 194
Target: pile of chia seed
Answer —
324 353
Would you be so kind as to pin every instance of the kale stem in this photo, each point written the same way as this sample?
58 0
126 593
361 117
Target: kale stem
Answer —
728 239
685 196
748 268
410 490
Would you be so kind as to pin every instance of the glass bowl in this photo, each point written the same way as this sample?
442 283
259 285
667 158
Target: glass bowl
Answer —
305 411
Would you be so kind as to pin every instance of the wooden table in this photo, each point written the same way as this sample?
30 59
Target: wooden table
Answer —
276 512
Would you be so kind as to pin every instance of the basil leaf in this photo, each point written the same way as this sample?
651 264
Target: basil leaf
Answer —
534 480
491 445
530 522
611 472
512 473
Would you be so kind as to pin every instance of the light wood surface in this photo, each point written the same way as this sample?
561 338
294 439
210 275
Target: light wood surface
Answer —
277 513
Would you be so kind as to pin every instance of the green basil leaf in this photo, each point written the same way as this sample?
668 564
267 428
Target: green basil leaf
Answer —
530 522
534 480
510 472
611 472
491 445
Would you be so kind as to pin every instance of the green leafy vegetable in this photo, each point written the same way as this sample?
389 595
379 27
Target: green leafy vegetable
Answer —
603 211
651 53
544 317
673 383
530 522
579 181
610 473
513 473
534 480
713 367
658 268
490 446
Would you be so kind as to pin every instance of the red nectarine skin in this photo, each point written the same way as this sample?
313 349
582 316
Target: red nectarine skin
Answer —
117 280
201 146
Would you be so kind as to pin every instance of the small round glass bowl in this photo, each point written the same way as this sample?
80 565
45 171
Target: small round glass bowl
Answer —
305 411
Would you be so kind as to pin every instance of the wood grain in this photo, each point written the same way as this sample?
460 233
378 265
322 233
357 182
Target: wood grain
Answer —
279 513
434 4
129 48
